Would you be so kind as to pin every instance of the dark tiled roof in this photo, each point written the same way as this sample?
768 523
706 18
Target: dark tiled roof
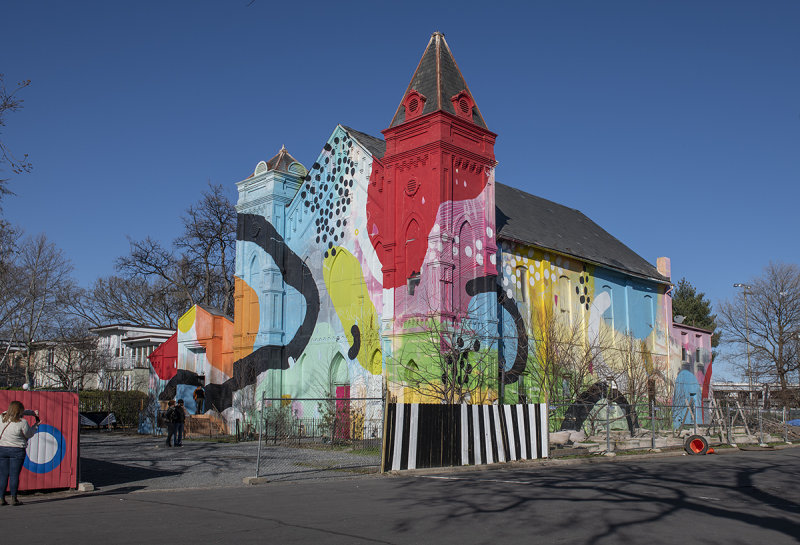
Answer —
376 146
438 79
526 218
282 161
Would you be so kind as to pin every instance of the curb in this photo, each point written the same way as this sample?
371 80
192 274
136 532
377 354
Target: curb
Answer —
596 459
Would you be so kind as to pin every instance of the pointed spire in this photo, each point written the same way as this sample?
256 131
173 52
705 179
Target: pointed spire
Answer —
438 84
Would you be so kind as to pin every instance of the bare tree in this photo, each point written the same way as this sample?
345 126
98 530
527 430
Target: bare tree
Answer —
157 283
151 262
43 274
770 324
73 358
128 300
10 292
447 360
632 369
10 102
561 356
209 243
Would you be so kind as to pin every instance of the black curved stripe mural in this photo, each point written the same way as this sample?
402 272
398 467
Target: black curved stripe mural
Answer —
489 284
352 353
295 272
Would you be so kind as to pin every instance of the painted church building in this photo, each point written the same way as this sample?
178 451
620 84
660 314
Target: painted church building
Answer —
400 266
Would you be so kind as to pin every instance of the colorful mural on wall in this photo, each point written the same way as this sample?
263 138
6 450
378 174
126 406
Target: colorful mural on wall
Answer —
199 354
693 378
365 272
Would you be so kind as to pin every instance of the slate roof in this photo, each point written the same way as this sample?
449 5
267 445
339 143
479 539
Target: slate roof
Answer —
533 220
376 146
438 79
281 161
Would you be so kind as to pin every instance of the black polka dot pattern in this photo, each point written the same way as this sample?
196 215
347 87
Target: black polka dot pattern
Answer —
582 290
327 192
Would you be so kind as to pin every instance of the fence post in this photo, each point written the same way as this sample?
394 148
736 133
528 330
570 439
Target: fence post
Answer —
728 422
260 433
653 425
608 424
785 426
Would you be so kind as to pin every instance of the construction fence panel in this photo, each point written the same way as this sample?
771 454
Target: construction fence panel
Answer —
309 438
611 427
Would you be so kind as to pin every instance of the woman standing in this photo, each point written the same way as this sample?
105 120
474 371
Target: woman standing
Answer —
14 435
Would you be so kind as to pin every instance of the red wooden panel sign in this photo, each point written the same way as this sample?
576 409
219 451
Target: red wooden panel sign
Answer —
51 460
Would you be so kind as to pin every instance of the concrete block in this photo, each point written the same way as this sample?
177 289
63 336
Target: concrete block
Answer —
577 436
255 480
85 487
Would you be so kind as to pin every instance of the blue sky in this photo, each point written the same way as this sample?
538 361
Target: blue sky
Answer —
674 125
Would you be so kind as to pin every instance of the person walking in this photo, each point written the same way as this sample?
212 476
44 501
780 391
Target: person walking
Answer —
14 435
180 418
199 399
170 418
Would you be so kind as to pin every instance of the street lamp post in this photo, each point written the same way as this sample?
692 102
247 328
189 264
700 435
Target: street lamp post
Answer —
745 287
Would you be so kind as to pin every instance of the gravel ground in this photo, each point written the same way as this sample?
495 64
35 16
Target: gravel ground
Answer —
122 462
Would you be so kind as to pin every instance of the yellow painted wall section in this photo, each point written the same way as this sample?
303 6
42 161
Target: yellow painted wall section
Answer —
186 321
344 280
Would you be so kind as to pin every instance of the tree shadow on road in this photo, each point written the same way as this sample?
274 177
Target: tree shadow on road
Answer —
613 501
102 473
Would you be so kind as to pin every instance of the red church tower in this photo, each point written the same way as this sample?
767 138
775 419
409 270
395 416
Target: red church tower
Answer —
431 196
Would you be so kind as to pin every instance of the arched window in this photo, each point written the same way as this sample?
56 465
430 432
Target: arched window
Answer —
465 260
522 284
608 315
564 298
413 243
377 360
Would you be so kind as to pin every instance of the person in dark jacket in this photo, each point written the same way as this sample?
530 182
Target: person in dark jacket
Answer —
180 418
199 399
169 419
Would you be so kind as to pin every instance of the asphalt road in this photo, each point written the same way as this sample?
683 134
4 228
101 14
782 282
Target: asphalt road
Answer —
738 497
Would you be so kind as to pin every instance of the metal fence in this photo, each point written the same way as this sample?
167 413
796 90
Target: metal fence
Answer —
302 438
609 427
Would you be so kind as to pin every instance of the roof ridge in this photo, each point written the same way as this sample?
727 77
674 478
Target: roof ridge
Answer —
537 221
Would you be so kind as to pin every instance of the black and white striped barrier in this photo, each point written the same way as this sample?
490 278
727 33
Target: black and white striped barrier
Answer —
427 435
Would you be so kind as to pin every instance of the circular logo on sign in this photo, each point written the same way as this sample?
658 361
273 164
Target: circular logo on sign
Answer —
46 450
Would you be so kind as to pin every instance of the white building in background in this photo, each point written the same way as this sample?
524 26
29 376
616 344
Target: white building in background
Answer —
128 347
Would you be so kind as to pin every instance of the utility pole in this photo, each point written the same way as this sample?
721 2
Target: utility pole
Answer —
745 287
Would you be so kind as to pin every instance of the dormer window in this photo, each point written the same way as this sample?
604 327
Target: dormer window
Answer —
414 104
463 104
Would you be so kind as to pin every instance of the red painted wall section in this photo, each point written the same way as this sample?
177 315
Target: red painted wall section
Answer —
52 456
164 359
431 163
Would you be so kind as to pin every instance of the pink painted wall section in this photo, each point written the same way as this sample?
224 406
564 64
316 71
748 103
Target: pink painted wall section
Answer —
695 348
51 459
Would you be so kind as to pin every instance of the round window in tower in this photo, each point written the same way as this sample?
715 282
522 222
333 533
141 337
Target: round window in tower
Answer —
411 187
